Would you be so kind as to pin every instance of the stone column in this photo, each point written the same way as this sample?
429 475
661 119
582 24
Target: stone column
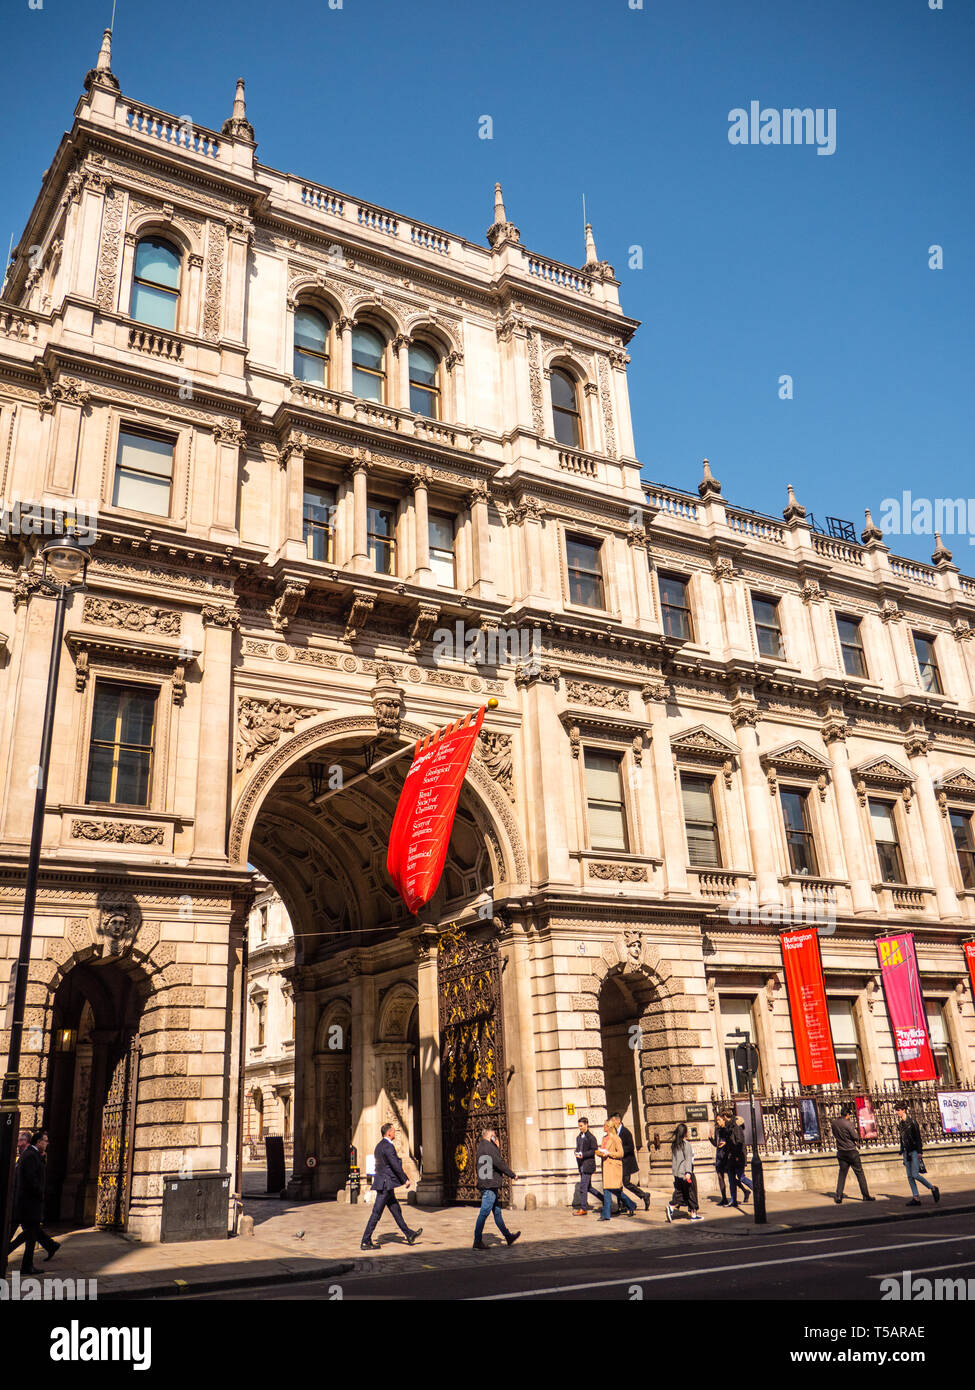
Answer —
592 435
215 743
640 572
360 561
190 319
916 748
903 671
744 717
667 799
343 330
529 514
430 1188
454 364
482 584
422 574
524 1127
401 353
857 863
228 439
544 769
239 236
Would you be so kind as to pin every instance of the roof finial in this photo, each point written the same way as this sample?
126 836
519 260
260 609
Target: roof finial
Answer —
871 531
591 257
238 126
794 511
942 555
709 485
501 230
101 74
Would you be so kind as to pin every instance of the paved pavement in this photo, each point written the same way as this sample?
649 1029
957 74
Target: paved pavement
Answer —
300 1241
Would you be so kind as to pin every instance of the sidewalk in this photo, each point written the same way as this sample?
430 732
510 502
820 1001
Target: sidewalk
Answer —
295 1241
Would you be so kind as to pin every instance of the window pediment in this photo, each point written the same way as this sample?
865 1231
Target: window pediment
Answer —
132 654
884 773
578 726
702 745
796 759
956 785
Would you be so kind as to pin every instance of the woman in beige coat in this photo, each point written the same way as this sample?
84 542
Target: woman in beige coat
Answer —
611 1153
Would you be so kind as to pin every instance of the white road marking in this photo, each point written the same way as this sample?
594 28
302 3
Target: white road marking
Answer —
697 1273
733 1249
929 1269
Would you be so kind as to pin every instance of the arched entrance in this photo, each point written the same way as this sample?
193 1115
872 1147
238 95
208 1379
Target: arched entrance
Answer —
366 1033
637 1055
91 1093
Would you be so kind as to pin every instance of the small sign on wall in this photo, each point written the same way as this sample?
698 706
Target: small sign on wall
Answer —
695 1112
570 1109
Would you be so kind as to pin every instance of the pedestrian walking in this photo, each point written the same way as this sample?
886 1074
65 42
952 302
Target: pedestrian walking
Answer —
387 1178
737 1156
490 1167
630 1162
848 1153
586 1159
611 1153
23 1139
718 1135
29 1183
685 1182
912 1149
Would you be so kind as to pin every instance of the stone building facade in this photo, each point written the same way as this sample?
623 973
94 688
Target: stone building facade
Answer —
269 1032
353 476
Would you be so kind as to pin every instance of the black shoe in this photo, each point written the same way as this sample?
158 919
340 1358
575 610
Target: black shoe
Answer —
869 1199
838 1200
936 1193
368 1245
414 1236
735 1205
914 1202
745 1196
512 1236
478 1245
55 1247
723 1202
646 1203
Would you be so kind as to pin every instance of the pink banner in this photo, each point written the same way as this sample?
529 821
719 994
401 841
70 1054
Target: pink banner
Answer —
905 1008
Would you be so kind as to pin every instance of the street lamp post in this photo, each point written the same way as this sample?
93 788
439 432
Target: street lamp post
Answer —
64 569
746 1059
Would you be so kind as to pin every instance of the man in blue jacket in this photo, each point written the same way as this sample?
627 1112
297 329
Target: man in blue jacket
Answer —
388 1176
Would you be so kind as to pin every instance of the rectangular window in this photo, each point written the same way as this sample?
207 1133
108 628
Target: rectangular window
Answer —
143 473
888 846
263 912
675 608
798 832
961 830
846 1043
382 545
120 747
854 661
318 522
736 1019
604 801
766 614
261 1022
703 848
927 664
585 572
940 1046
442 550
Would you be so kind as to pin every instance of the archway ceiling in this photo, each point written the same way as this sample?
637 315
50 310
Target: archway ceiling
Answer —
328 862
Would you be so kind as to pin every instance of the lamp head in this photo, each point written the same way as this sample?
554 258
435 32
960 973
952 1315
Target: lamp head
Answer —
66 561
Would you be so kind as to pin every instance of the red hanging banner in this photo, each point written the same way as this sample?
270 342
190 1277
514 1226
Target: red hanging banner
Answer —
905 1008
969 948
806 990
425 812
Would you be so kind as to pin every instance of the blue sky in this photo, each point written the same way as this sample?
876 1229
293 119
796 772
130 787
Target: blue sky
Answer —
758 261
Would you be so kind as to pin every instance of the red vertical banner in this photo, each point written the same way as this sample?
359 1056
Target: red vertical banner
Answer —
905 1007
969 948
806 990
425 812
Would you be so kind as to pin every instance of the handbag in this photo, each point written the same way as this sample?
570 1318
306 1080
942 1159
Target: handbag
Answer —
920 1164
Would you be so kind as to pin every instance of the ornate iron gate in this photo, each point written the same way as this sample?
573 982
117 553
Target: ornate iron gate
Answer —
472 1077
115 1149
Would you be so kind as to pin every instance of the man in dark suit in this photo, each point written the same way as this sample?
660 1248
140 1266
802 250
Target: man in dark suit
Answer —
847 1153
630 1164
586 1158
490 1166
29 1197
388 1176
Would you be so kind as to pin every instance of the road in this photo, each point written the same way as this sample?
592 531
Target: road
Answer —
825 1265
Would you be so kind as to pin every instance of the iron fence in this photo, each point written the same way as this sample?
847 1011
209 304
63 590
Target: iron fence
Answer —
796 1120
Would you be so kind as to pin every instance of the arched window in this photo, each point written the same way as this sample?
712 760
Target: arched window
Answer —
565 409
424 391
368 364
311 346
155 283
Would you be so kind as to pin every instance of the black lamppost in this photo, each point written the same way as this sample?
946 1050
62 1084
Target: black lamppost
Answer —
64 570
746 1060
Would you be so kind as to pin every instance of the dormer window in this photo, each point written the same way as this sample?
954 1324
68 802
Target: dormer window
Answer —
155 283
368 364
311 346
424 391
566 418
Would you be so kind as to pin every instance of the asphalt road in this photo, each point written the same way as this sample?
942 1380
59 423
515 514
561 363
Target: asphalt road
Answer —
826 1265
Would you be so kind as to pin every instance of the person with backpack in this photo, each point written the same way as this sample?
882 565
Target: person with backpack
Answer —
912 1148
685 1183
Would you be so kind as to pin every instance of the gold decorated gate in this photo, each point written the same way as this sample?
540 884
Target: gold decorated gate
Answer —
471 1057
115 1149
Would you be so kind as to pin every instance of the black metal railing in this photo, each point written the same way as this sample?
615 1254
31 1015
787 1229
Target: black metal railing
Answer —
796 1119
